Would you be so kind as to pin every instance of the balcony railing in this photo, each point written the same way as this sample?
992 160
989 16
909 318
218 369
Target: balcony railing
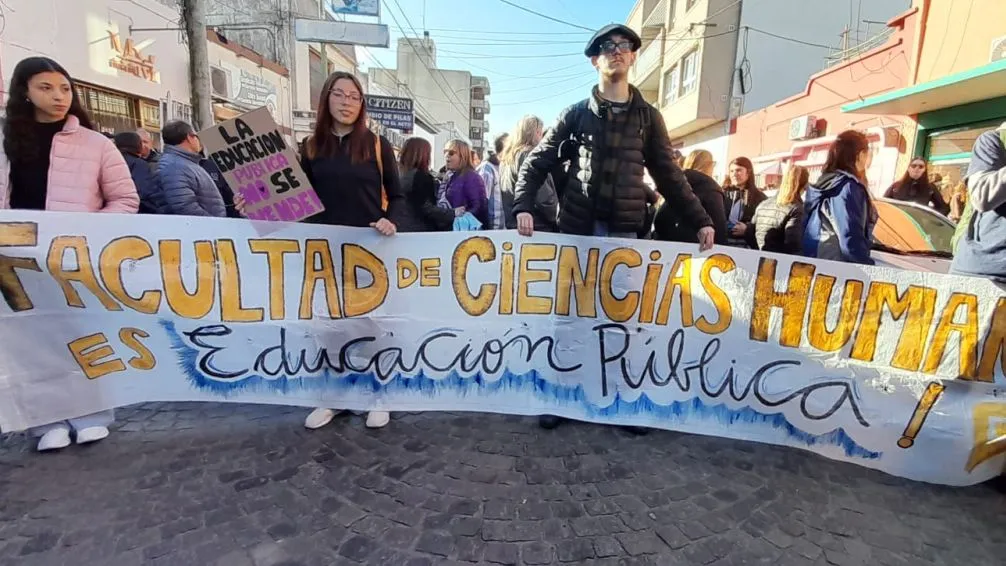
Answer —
857 50
481 103
650 59
655 18
481 82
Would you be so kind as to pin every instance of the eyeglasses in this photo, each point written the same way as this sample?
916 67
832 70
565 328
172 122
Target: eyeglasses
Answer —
340 96
610 47
918 165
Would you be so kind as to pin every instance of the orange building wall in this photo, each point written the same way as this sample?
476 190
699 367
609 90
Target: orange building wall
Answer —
888 67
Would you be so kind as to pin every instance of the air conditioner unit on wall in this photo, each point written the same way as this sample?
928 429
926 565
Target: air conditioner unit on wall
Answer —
998 50
220 82
802 128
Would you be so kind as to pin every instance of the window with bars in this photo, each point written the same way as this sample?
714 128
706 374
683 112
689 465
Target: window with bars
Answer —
110 112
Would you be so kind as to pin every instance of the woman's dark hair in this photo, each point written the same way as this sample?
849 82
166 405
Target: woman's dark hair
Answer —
129 142
416 154
906 179
19 136
360 140
749 186
844 152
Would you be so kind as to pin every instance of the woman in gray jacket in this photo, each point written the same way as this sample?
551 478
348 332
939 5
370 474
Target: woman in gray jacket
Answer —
524 138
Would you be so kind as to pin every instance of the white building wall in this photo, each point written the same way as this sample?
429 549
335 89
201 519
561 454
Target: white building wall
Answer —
76 34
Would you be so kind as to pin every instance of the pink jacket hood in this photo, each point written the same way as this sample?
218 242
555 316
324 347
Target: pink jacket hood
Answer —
86 174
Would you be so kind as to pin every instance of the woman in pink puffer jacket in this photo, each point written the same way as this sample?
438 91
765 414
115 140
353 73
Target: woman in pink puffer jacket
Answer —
53 160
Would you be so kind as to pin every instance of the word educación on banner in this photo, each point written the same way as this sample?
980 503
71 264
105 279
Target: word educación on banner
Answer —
844 360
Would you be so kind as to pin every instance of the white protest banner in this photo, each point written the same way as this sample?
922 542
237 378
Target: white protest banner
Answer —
854 363
255 159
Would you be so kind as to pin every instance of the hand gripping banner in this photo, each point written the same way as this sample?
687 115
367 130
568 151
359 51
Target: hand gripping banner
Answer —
895 370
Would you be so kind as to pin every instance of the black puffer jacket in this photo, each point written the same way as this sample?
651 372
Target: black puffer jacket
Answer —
643 144
670 226
421 213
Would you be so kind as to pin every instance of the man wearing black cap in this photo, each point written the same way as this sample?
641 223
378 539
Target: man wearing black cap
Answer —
609 139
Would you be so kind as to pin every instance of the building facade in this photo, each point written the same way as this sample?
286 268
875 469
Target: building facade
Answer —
799 129
267 28
453 100
956 88
128 74
242 80
681 70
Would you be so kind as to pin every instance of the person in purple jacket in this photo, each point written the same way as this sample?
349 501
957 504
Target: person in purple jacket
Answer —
463 187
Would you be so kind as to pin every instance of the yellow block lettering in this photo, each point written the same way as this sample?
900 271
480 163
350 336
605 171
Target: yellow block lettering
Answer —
88 351
275 250
618 309
526 302
83 274
481 248
199 303
792 301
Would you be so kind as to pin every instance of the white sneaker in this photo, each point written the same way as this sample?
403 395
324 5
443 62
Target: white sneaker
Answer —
91 434
378 419
320 417
55 439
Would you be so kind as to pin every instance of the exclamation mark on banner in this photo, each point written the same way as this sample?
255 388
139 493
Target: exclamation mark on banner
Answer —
929 397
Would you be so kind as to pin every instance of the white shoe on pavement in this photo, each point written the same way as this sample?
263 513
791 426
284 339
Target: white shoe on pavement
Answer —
91 434
378 419
320 417
55 439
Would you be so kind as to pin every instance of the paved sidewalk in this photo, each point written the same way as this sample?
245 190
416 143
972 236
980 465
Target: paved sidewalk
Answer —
244 485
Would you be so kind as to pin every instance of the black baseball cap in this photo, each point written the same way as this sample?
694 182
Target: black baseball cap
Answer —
594 45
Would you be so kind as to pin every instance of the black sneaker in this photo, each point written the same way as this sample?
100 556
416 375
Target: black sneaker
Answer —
548 422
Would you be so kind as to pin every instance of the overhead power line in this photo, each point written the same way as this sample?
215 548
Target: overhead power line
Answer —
593 80
499 32
540 15
794 40
494 56
412 44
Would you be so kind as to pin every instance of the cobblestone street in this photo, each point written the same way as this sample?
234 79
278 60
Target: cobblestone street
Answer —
244 485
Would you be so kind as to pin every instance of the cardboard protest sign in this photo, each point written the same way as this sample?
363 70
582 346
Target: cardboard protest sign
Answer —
258 163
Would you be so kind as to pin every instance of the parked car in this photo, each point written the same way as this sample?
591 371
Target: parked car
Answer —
911 236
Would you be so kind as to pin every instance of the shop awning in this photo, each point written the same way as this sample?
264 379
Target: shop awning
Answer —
773 168
981 83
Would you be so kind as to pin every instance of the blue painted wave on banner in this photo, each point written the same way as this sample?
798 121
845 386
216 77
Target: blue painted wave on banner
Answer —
531 382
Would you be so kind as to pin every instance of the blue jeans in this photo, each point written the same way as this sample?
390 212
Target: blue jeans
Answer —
601 229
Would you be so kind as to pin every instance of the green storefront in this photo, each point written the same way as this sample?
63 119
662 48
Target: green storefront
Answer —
945 137
951 112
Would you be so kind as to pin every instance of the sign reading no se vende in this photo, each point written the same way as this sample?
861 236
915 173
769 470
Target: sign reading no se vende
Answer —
257 162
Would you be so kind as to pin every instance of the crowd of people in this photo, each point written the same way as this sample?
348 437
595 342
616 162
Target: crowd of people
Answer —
584 176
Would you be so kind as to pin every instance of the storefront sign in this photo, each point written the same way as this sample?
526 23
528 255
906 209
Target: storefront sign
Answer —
257 162
392 112
854 363
128 59
353 7
255 92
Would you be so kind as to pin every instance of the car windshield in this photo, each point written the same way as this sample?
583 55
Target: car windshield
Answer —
913 229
